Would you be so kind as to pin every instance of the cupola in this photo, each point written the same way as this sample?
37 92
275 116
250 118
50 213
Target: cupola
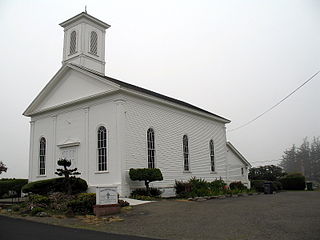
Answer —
84 42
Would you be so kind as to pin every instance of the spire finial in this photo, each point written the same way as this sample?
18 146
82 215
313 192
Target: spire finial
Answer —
85 8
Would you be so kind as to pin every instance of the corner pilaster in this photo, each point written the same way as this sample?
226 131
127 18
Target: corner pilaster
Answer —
31 164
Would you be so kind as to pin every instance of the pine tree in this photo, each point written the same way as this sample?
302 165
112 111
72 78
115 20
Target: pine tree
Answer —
67 173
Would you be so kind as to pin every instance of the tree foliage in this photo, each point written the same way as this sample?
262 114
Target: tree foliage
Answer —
3 167
146 174
66 172
268 172
304 159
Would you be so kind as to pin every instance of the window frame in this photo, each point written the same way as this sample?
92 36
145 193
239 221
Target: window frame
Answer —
151 157
104 149
42 156
186 155
212 156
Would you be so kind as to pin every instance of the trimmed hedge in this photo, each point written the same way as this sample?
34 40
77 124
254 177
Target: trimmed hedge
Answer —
293 181
83 204
47 186
13 184
145 174
258 185
153 192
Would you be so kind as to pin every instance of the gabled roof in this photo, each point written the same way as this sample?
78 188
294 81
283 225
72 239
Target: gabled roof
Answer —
151 93
87 16
235 151
120 85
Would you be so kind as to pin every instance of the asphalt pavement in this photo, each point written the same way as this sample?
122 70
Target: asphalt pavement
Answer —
19 229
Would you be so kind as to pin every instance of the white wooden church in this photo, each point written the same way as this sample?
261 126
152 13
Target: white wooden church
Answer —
106 126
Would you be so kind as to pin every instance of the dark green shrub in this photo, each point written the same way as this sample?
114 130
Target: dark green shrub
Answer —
145 174
183 189
39 199
293 181
123 203
12 185
83 204
47 186
153 192
277 186
200 187
36 210
237 185
257 185
217 185
59 201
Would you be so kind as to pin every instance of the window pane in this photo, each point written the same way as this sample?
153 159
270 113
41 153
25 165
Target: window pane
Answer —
102 148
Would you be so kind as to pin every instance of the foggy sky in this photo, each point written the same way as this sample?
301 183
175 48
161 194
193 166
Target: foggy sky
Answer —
233 58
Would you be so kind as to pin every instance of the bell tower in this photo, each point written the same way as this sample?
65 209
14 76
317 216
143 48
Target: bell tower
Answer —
84 42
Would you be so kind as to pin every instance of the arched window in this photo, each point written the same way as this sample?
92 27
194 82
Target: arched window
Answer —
102 149
151 149
185 153
94 43
42 156
211 145
73 42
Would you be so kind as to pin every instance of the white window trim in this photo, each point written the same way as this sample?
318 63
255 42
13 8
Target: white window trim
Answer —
97 151
45 158
214 157
186 171
154 149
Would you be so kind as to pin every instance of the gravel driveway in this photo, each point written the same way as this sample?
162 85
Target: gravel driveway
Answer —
285 216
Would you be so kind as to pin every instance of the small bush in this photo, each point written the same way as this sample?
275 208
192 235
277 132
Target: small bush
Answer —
39 199
293 181
147 175
237 185
59 201
9 186
123 203
183 189
277 186
47 186
153 192
258 185
217 185
83 204
36 210
143 198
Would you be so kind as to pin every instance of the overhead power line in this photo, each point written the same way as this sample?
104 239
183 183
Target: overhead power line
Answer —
277 104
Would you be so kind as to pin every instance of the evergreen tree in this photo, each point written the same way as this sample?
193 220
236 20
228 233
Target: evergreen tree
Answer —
304 159
67 173
3 167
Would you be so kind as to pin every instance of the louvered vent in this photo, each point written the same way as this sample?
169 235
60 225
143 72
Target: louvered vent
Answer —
93 43
73 42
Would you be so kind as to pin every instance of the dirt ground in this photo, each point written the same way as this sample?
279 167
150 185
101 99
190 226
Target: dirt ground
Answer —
286 215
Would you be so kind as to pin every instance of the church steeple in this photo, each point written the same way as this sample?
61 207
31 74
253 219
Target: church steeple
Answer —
84 41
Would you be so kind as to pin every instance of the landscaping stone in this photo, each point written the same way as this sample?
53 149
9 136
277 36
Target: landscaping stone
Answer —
221 197
42 214
201 199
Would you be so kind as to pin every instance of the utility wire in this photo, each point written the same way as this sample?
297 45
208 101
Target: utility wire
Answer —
282 100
